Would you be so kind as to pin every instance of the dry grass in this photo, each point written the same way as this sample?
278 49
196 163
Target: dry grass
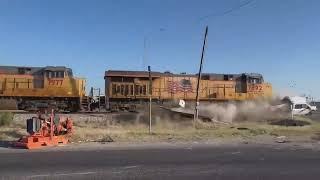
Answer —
6 118
11 133
106 130
170 131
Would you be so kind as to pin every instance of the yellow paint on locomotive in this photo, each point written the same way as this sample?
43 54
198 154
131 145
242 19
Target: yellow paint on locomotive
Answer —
172 86
208 90
14 85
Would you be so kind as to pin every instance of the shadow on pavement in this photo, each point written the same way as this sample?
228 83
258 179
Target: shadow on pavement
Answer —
6 144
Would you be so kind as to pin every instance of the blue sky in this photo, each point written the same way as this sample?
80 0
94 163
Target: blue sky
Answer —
279 39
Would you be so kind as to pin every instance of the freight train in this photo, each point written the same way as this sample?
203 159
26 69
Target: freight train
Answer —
34 88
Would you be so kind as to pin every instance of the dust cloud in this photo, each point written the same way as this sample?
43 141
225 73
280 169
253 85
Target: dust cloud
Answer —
241 111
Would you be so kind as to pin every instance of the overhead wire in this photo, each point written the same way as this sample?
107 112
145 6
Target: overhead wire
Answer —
232 9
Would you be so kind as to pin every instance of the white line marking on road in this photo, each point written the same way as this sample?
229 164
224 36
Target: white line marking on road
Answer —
129 167
121 169
79 173
39 175
61 174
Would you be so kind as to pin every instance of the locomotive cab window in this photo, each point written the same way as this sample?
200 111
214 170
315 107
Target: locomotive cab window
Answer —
55 74
60 74
254 81
49 74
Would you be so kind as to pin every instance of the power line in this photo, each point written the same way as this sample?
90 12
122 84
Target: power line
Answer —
168 28
235 8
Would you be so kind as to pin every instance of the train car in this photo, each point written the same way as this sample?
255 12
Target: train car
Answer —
33 88
122 87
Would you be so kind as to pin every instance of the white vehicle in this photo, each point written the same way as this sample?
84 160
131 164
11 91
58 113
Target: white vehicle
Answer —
300 106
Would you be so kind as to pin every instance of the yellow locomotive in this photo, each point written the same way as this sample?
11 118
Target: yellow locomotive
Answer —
32 88
129 86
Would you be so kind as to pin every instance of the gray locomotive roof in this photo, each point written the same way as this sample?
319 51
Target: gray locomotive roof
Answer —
32 70
116 73
122 73
56 68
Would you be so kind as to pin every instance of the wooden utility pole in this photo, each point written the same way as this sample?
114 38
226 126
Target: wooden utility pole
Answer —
99 95
150 99
196 110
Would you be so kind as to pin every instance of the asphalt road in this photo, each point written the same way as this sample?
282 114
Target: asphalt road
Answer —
205 162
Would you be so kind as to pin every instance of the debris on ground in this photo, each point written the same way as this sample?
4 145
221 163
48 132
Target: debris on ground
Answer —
242 128
106 139
281 139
